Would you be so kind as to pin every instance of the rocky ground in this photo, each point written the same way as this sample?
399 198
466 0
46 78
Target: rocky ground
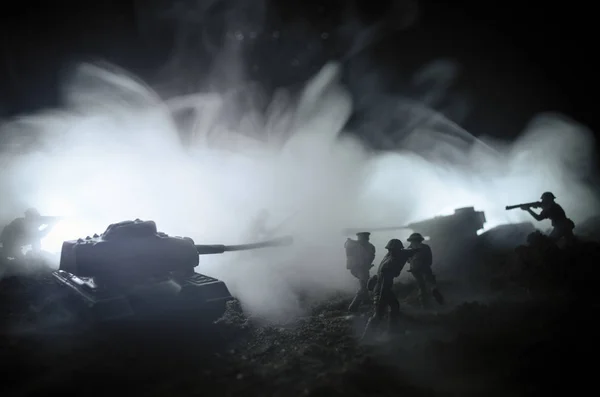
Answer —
507 343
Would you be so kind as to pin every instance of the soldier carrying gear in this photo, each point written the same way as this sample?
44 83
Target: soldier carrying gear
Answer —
391 266
360 254
420 267
562 226
23 232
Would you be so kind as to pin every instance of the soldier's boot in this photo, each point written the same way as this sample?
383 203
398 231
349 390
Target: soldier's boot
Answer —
371 328
360 298
437 295
354 305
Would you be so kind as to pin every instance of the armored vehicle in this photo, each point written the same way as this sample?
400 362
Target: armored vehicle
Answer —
134 270
451 237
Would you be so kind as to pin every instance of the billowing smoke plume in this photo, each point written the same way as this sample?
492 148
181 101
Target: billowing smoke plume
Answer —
115 152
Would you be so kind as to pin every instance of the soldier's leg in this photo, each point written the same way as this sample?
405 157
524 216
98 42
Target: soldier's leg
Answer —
394 305
422 286
561 235
374 322
555 234
568 234
381 305
362 295
432 282
354 304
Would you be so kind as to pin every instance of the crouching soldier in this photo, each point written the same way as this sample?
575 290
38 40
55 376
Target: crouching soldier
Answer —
562 226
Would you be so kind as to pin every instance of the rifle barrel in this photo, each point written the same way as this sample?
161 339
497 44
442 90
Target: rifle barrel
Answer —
532 204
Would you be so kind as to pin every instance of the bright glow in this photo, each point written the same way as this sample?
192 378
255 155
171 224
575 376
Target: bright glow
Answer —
64 230
114 154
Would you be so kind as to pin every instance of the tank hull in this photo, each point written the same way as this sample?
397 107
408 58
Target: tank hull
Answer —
134 271
194 295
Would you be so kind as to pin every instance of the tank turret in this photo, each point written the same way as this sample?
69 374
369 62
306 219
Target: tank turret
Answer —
451 237
132 265
464 222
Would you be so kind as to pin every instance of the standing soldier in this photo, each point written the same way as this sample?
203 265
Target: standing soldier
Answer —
390 268
562 226
360 254
420 267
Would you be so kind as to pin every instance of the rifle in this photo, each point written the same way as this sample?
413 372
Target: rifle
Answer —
46 223
534 204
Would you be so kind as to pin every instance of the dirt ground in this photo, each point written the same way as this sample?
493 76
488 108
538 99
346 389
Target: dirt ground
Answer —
511 345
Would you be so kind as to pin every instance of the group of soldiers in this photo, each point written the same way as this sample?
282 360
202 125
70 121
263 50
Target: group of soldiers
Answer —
360 254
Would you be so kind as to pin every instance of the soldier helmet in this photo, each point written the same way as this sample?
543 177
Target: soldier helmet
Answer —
415 237
547 196
394 244
32 213
363 234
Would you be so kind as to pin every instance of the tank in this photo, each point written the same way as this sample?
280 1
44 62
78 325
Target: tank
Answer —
451 237
464 223
132 269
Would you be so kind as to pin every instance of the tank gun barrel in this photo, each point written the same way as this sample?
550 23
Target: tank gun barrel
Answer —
463 219
220 248
374 229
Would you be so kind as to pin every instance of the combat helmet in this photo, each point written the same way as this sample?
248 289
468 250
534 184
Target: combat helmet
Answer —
32 213
363 234
394 244
415 237
547 196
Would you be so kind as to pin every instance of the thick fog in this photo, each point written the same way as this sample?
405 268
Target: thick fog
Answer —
114 152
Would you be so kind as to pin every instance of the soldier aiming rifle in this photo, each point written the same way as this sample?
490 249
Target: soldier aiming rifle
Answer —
562 226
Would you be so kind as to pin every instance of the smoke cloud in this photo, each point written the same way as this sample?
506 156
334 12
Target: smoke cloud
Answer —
115 152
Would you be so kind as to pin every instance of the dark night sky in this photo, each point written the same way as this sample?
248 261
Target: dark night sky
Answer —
517 58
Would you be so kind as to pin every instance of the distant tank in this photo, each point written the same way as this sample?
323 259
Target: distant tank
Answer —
132 269
450 236
464 223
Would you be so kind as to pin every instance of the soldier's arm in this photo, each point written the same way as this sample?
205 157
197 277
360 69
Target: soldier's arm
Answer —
537 217
373 251
429 257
